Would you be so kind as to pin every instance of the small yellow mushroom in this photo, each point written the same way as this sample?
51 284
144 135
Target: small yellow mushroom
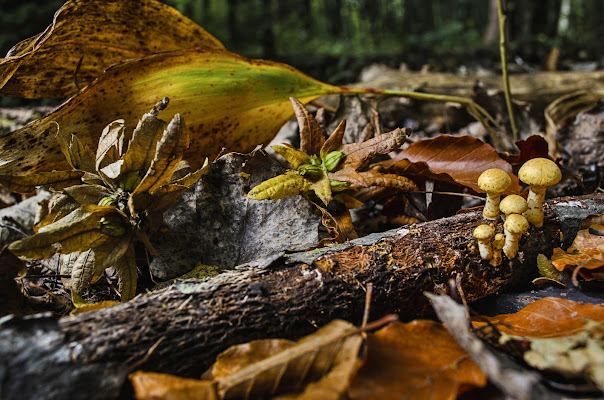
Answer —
498 243
538 173
483 234
494 182
515 225
513 204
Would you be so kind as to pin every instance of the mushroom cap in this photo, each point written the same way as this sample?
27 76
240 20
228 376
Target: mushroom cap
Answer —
483 232
494 180
513 204
540 172
516 223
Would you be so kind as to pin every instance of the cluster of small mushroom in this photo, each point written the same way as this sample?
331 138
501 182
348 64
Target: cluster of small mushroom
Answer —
538 173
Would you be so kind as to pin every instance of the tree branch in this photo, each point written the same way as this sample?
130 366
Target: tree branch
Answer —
182 328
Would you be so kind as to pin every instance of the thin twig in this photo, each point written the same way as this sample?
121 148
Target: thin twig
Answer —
504 68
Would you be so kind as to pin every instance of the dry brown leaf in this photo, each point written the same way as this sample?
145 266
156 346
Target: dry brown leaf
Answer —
155 386
417 360
129 29
237 357
546 318
289 370
586 252
453 159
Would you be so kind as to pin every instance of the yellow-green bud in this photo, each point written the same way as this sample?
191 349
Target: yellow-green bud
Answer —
107 201
131 181
310 171
112 224
332 160
333 183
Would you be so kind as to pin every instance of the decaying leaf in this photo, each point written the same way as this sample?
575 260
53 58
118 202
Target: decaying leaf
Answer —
324 167
82 307
155 386
265 368
547 318
55 180
101 41
585 254
114 204
417 360
194 80
215 224
574 357
454 159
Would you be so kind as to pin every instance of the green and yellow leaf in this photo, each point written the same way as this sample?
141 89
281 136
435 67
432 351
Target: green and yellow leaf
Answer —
204 86
293 156
322 189
290 183
88 37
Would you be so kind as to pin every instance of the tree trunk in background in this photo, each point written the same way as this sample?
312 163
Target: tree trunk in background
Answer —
232 20
491 34
333 11
268 37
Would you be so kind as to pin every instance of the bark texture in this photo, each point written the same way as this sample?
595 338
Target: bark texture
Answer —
182 328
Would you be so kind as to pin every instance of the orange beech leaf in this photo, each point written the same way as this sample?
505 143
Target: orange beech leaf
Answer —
417 360
454 159
155 386
586 252
546 318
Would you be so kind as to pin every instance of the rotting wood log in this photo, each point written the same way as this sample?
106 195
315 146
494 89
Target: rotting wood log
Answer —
539 89
182 328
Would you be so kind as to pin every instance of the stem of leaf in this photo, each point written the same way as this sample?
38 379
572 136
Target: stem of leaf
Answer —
473 109
504 68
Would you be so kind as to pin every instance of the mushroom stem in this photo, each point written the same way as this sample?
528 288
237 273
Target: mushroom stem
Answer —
483 234
491 206
510 247
497 245
535 200
515 225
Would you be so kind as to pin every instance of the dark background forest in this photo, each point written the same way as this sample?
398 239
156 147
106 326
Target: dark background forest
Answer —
333 39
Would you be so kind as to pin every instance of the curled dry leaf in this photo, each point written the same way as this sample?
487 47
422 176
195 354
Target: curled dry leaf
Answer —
417 360
323 167
546 318
586 253
116 204
264 368
101 42
453 159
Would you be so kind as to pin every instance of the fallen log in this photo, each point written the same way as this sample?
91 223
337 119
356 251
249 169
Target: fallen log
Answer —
182 328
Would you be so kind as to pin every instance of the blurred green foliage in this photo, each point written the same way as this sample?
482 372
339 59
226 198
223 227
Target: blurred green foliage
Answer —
326 37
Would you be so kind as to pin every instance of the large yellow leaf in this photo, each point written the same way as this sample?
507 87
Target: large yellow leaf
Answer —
99 34
227 100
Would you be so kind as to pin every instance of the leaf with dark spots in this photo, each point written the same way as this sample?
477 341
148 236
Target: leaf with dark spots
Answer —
199 87
27 183
454 159
151 27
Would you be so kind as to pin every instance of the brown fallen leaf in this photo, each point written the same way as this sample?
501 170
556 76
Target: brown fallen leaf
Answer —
586 254
107 32
264 368
453 159
417 360
546 318
155 386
